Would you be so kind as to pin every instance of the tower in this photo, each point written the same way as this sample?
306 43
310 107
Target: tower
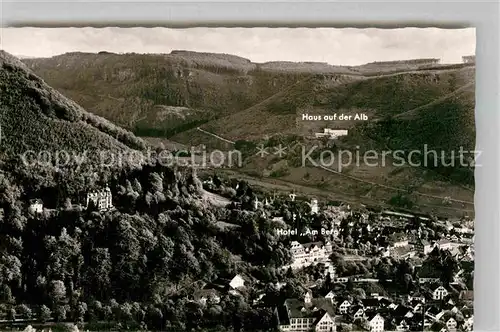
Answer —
314 206
308 298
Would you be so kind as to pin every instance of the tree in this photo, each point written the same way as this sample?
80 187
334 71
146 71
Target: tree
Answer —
81 311
156 182
58 291
45 314
61 312
25 311
137 186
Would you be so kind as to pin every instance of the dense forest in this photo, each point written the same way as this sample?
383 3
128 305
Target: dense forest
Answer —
138 263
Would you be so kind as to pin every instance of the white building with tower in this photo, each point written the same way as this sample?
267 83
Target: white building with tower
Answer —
309 314
101 200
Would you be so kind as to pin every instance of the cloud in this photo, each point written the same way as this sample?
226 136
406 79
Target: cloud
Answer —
348 46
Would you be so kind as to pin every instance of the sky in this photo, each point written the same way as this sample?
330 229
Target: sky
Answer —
336 46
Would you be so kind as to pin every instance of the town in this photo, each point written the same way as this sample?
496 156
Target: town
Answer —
361 271
373 271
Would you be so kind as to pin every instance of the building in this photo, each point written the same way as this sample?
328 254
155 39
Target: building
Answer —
314 206
424 246
469 59
330 270
331 133
307 315
36 206
468 323
330 296
451 324
375 322
310 253
399 240
207 295
402 325
444 244
344 307
439 293
101 200
237 282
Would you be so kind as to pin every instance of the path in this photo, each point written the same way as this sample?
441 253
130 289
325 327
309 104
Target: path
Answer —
216 136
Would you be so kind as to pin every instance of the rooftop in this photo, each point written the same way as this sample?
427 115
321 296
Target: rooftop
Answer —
316 309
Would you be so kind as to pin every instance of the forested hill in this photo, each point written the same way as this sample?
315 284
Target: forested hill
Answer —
44 135
167 94
137 264
34 116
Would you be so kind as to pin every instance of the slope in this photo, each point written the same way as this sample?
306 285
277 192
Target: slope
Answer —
167 94
47 138
36 117
378 97
160 94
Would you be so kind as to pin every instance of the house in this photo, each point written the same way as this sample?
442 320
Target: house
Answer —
375 322
330 270
35 206
330 296
207 295
424 246
402 252
416 297
237 282
432 312
102 200
357 312
468 323
344 307
331 133
451 324
444 244
310 314
439 293
402 325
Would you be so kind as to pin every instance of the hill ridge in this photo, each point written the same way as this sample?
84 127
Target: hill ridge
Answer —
23 92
